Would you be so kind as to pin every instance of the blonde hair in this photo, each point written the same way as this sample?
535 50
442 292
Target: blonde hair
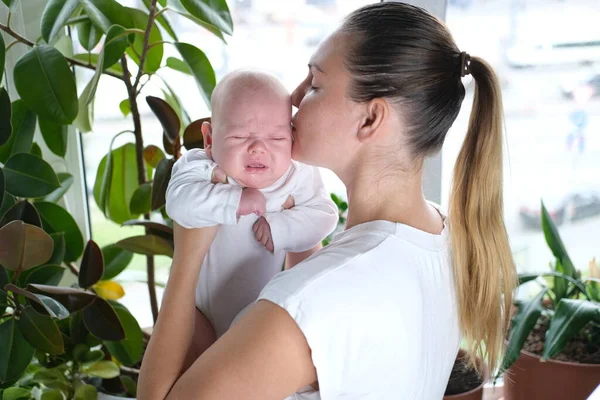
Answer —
484 271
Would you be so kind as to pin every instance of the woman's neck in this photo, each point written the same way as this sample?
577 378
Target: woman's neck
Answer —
395 197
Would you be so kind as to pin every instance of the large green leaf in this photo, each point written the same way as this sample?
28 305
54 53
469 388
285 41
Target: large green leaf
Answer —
86 392
141 201
24 246
5 108
522 324
66 180
92 265
178 65
53 378
155 54
166 116
201 68
569 318
102 321
123 183
24 211
555 243
114 46
161 181
52 394
46 84
73 299
8 201
129 350
89 34
561 285
43 275
85 116
105 13
213 12
55 135
36 150
23 128
15 351
29 176
57 219
60 249
41 332
55 15
147 244
115 261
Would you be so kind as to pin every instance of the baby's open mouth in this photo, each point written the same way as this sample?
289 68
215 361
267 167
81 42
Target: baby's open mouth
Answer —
256 167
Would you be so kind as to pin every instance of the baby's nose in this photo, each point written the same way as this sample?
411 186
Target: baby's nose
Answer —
257 147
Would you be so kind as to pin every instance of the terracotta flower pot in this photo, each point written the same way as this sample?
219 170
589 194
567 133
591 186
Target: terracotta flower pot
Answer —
474 394
529 379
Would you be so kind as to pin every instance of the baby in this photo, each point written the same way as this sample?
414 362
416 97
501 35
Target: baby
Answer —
245 179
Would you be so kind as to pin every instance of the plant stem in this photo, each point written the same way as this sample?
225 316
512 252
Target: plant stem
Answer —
73 269
139 155
73 61
151 16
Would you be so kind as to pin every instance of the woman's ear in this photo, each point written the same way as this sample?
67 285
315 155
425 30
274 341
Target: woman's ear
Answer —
376 111
206 129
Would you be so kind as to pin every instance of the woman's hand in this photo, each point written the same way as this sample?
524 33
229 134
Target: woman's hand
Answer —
172 337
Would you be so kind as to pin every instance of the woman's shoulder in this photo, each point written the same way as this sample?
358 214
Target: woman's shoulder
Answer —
336 259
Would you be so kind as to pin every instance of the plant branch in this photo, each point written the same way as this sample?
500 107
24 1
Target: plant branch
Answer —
12 44
139 155
73 61
73 269
151 16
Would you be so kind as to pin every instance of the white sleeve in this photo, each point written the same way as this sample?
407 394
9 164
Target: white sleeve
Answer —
193 201
313 217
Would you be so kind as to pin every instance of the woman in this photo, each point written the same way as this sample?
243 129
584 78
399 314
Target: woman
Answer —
379 313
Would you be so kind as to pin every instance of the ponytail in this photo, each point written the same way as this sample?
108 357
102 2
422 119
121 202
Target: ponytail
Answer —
484 271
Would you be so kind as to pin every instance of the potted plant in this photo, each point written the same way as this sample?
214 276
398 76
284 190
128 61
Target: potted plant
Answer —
465 382
553 348
120 43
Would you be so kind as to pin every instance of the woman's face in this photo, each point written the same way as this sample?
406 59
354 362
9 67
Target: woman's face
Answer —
327 121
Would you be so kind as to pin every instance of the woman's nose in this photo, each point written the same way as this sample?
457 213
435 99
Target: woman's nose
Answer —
298 95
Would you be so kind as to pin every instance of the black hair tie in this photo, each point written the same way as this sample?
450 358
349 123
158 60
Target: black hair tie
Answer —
465 64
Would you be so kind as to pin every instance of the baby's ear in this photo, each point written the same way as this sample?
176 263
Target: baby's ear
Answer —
206 129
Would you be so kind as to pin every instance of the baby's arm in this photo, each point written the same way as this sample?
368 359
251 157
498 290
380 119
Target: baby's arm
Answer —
312 218
193 201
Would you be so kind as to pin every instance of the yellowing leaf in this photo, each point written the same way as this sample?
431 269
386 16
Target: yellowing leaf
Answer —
109 290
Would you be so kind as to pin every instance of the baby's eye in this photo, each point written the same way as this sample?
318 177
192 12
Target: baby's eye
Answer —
278 138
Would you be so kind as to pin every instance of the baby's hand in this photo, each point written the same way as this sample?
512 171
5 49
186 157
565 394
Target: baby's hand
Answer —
262 233
218 175
289 203
252 202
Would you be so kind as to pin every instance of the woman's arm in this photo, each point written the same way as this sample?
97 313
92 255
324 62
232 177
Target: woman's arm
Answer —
165 358
264 356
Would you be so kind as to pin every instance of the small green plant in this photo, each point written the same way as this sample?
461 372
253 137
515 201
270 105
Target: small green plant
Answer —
568 300
343 213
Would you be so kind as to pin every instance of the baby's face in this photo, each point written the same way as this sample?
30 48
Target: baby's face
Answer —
252 138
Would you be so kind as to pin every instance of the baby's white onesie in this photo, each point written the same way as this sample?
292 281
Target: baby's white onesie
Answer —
237 267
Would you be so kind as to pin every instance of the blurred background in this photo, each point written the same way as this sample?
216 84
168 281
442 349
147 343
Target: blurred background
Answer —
546 53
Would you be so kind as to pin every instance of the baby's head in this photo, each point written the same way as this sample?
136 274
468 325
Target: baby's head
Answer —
250 136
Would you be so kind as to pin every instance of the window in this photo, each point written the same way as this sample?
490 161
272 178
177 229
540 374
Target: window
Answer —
552 115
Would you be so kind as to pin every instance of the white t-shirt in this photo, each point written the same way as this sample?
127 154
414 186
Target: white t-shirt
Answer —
378 310
237 267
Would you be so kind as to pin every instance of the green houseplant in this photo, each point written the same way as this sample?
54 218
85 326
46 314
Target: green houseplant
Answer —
562 320
70 355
